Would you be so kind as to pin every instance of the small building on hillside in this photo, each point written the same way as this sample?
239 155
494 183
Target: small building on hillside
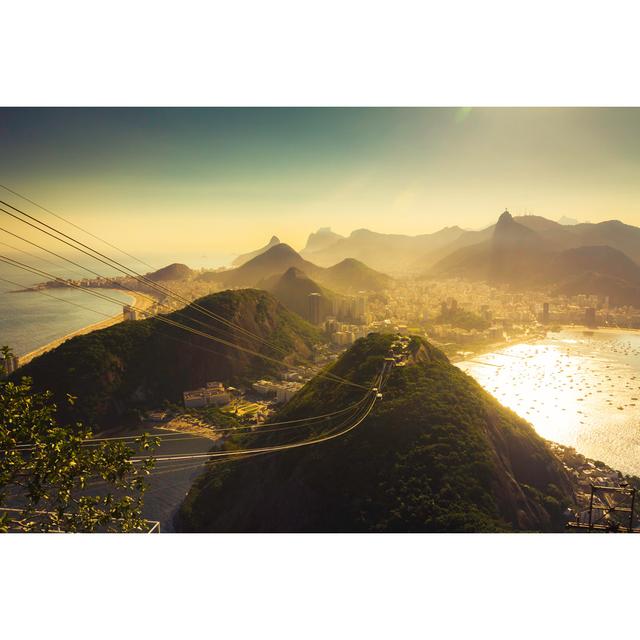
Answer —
129 313
283 391
213 394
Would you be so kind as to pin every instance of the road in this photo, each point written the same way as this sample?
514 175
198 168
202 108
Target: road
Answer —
170 482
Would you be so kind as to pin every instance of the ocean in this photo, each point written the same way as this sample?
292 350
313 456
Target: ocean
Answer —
31 320
577 388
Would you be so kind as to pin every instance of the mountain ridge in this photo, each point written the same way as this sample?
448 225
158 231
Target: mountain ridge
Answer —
245 257
347 276
519 256
293 289
437 453
131 366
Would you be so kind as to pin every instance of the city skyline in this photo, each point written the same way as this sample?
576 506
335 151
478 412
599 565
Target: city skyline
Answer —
234 177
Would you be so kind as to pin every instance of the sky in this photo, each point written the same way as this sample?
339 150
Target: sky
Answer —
223 181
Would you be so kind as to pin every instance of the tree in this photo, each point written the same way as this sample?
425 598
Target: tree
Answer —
49 473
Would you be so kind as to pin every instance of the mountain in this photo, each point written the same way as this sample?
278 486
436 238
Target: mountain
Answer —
392 253
465 239
602 271
322 239
567 221
274 261
620 292
245 257
557 236
437 454
139 365
612 233
528 252
515 251
603 260
293 289
175 271
351 276
346 277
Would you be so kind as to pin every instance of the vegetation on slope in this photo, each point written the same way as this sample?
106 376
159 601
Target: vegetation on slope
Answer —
43 487
131 366
293 289
437 454
462 319
347 276
175 271
350 276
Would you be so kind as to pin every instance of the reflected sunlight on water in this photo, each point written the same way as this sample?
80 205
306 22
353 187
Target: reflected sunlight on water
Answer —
581 389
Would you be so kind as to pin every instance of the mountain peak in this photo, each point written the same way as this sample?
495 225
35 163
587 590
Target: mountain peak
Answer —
280 249
349 262
293 272
321 239
392 487
245 257
511 234
505 218
174 271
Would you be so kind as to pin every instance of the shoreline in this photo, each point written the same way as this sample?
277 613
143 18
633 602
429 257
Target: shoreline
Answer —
140 302
494 346
622 464
498 346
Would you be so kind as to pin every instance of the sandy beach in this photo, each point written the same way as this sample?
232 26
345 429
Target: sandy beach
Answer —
140 301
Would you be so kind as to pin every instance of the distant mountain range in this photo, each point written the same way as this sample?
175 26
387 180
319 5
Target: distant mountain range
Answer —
534 252
321 240
523 251
438 453
390 253
348 276
399 254
293 289
245 257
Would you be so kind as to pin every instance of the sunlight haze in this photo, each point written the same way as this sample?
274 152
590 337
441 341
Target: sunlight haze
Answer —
226 180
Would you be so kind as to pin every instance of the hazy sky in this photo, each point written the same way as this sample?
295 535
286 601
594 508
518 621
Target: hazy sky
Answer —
225 180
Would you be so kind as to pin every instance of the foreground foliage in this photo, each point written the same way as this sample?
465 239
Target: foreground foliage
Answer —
52 478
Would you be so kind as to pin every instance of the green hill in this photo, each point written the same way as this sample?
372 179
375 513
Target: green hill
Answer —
275 261
293 289
175 271
350 276
437 453
137 365
347 276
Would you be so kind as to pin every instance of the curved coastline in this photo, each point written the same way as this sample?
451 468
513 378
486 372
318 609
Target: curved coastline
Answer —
138 300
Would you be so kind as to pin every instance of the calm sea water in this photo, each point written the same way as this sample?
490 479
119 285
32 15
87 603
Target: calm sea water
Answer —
31 320
577 389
